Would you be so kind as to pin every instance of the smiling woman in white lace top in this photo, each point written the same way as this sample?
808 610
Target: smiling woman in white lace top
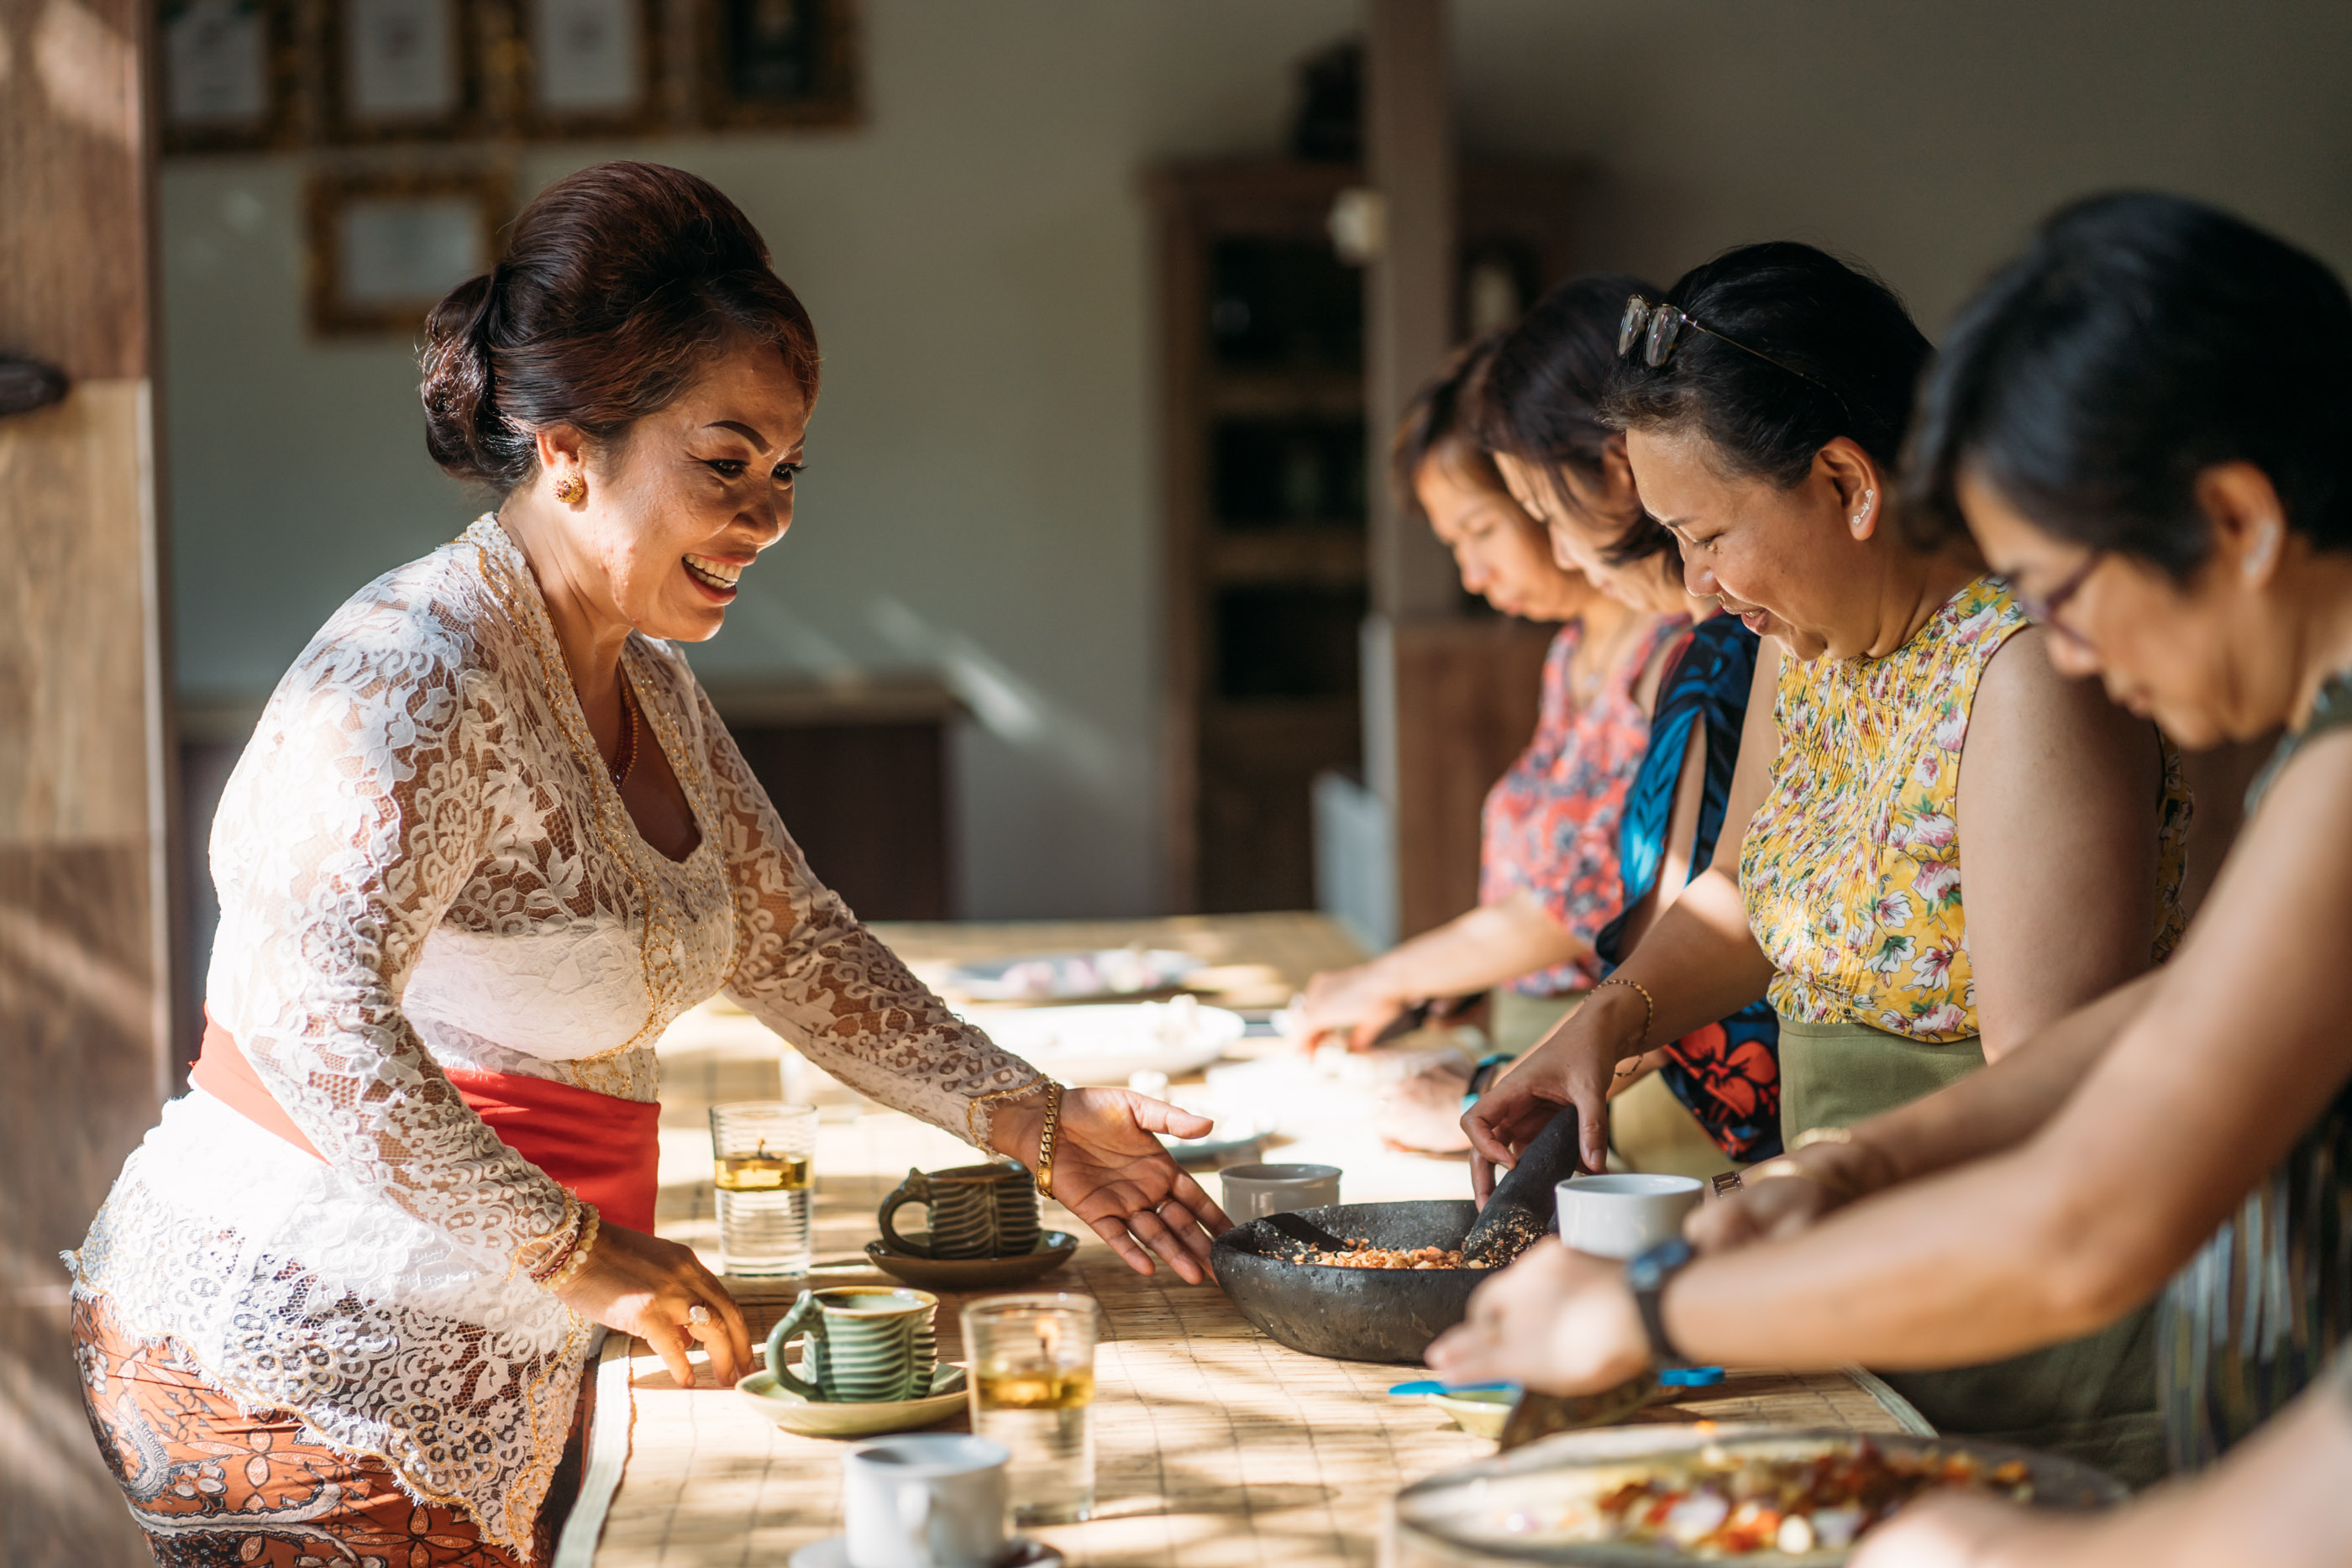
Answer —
489 840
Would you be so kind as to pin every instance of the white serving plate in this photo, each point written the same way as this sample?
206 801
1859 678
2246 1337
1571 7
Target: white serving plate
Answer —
1072 975
1107 1044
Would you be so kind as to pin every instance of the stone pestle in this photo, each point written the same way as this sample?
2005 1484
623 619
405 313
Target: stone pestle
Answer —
1522 1210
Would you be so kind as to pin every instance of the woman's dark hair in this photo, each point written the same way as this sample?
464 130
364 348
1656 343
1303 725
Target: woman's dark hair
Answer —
620 284
2140 340
1798 347
1539 400
1435 426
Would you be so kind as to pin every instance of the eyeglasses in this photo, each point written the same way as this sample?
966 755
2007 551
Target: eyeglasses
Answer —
1657 327
2043 610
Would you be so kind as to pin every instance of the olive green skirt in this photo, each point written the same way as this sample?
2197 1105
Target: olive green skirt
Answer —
2092 1399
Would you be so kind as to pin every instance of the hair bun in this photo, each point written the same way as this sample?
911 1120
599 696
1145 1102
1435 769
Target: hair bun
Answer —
458 381
619 285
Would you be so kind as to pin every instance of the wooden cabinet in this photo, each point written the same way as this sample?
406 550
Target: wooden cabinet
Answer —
860 777
1267 467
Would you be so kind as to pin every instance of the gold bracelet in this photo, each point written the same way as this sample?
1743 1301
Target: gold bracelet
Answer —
570 1268
1045 1137
1649 1006
1812 1136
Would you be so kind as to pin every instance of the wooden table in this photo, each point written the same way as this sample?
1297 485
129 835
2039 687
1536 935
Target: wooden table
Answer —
1215 1445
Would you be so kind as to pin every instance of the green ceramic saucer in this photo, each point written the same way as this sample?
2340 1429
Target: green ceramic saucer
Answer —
1055 1248
1479 1412
812 1419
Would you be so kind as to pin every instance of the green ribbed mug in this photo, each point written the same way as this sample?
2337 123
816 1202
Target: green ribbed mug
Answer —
862 1345
976 1211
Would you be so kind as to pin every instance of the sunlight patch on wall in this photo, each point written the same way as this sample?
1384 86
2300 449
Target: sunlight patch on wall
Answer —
1009 707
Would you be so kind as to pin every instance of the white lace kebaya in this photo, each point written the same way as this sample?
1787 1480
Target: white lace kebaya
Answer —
423 864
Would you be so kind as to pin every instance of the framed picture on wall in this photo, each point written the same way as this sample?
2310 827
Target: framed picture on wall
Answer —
385 247
403 69
779 63
590 65
227 73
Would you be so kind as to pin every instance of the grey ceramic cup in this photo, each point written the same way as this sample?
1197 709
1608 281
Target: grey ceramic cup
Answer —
1254 1191
976 1211
865 1345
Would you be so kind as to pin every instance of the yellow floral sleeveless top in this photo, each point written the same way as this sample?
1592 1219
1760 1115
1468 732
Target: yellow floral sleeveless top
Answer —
1851 870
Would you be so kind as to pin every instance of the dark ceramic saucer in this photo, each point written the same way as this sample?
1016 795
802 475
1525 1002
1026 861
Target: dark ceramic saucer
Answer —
1055 1248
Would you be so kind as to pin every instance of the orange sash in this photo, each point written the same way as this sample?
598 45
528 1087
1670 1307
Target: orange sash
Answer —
604 1149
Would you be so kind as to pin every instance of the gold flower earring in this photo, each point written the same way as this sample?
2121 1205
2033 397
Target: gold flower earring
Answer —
571 489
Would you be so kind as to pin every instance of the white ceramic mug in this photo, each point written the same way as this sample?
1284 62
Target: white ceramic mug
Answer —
1616 1215
1252 1191
931 1501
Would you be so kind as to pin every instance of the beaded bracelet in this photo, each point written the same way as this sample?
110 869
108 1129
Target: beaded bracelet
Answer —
567 1265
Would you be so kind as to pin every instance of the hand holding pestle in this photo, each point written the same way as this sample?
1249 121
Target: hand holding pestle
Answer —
1522 1209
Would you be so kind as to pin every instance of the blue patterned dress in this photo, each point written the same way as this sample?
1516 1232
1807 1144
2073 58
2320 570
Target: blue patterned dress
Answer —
1728 1074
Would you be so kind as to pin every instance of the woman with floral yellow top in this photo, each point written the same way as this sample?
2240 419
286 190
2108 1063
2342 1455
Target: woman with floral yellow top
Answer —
2162 473
1914 722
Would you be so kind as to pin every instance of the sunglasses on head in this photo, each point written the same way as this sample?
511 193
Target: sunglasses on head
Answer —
1657 327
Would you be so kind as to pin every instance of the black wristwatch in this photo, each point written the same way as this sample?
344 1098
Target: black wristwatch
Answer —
1646 1274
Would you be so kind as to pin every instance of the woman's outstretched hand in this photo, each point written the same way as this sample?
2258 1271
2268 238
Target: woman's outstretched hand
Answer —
1111 1171
1355 1005
643 1285
1575 1066
1557 1320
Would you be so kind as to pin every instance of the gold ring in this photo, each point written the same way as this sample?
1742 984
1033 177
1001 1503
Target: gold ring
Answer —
698 1316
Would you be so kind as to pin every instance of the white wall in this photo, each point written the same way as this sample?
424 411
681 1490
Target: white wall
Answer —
1924 136
980 493
975 256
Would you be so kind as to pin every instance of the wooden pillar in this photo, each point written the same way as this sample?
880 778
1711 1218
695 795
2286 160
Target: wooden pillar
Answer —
85 1029
1433 719
1409 289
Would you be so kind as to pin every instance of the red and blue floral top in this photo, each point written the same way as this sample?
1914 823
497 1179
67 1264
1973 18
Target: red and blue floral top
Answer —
1550 823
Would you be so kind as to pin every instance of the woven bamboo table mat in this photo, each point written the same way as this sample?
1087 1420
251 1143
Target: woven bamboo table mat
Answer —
1215 1445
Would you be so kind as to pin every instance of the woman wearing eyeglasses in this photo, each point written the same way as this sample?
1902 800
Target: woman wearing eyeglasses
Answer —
1908 720
2150 406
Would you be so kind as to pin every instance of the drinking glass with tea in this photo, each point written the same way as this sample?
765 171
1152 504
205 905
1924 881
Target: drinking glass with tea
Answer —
1033 1390
762 1152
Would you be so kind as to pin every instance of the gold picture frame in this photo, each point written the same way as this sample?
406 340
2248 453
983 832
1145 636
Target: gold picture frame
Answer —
386 245
410 70
229 73
587 68
779 63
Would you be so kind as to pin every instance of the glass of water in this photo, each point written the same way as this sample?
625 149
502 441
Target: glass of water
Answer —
761 1152
1033 1390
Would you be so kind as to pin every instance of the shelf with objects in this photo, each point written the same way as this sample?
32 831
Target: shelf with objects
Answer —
1265 464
